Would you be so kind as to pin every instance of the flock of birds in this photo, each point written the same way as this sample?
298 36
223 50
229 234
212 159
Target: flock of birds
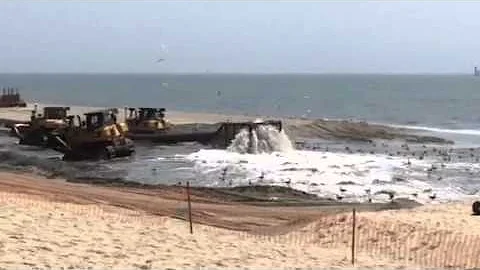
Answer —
440 156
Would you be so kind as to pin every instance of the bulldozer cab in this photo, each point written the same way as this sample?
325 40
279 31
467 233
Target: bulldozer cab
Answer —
95 126
54 113
99 119
52 118
93 120
148 113
74 121
144 113
96 120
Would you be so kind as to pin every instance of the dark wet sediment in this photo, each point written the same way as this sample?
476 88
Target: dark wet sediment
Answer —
159 164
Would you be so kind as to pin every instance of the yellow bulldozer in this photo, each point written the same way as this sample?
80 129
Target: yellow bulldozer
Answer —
97 135
35 132
146 120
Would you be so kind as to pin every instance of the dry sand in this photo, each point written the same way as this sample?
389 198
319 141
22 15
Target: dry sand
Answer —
65 225
36 233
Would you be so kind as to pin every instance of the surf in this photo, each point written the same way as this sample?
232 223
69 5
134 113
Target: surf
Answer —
473 132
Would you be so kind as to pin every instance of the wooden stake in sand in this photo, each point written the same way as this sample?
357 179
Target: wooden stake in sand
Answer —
353 235
189 207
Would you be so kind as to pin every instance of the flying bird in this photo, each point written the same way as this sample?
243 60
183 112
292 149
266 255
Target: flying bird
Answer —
160 60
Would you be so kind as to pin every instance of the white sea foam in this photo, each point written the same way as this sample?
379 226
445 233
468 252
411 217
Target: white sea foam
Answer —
474 132
351 177
325 174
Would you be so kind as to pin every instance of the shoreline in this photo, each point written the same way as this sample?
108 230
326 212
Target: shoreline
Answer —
259 226
298 129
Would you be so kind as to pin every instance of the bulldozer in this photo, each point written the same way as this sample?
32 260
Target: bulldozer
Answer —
97 136
35 132
146 120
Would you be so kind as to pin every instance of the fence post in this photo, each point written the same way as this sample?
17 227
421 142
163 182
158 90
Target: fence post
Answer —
189 207
476 247
353 235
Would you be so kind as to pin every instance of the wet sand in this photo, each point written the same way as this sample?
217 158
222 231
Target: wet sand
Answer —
327 136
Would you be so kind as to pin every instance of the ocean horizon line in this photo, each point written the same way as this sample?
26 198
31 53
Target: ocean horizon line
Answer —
247 73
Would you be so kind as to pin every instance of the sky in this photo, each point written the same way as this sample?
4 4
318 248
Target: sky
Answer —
239 37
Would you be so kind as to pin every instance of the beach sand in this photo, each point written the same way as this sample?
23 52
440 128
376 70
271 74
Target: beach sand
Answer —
298 129
37 232
57 227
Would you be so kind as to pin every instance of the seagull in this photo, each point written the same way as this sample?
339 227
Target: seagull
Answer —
160 60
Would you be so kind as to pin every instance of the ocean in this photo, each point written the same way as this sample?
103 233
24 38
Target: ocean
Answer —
438 101
446 105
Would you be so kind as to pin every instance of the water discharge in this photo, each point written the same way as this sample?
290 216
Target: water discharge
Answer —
264 139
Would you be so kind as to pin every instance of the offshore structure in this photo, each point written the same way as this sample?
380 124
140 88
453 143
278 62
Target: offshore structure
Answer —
476 72
11 98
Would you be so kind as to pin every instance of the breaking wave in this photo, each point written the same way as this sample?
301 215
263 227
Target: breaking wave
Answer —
474 132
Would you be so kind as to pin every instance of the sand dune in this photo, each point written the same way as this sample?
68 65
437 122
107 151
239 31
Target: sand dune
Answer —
44 234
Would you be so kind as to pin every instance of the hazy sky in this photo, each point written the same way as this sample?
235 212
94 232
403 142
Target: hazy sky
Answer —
244 36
